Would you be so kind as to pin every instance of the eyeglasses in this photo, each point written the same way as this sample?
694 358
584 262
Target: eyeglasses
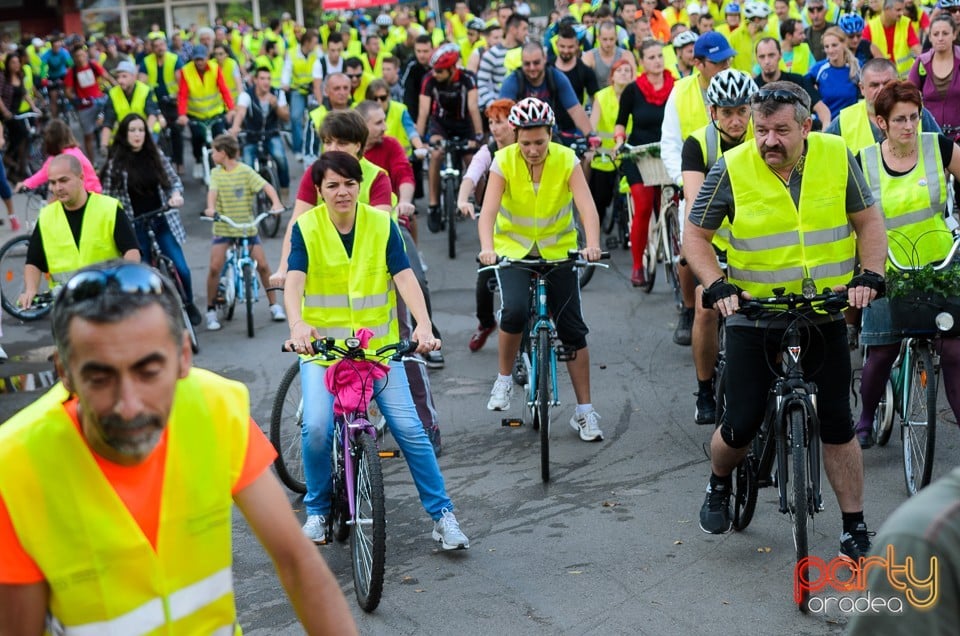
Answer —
127 279
780 96
953 10
816 9
354 76
903 120
381 98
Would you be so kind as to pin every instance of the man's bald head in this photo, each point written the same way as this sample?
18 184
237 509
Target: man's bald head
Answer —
67 162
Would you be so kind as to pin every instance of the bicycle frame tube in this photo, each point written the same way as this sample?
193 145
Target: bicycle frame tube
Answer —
542 322
355 428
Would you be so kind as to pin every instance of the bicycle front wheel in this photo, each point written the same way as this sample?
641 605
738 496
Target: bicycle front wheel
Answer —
270 225
542 401
650 253
248 295
165 267
13 259
918 430
883 418
286 430
368 543
671 252
799 500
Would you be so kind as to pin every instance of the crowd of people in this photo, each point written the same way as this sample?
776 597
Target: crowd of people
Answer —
796 130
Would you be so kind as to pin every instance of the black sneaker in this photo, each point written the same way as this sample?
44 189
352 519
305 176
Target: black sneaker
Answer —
856 544
433 219
195 316
715 512
682 334
865 436
706 408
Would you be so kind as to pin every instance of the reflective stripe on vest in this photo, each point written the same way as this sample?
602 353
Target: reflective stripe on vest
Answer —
105 577
96 235
395 127
302 69
691 108
137 103
370 300
855 127
901 55
203 99
609 109
542 219
775 244
912 204
169 72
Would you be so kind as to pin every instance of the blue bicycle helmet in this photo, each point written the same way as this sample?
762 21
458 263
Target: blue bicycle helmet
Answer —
851 23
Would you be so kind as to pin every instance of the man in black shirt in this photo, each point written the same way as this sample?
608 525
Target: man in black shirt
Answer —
72 200
411 80
768 57
581 76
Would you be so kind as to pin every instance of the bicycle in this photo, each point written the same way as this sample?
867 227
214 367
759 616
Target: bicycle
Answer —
32 155
911 390
266 166
206 153
454 151
238 277
164 264
663 244
790 432
581 146
620 219
36 201
13 260
541 349
357 494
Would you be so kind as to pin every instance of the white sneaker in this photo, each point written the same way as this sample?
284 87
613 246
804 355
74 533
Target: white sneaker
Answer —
277 313
197 171
212 323
500 394
447 532
3 355
586 425
315 529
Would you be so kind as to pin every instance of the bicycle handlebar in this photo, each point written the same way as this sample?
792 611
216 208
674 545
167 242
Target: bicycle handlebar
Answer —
573 259
327 347
241 226
140 218
27 115
943 264
830 301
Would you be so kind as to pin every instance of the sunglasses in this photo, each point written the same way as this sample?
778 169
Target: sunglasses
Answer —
354 76
816 9
381 98
780 96
953 10
129 279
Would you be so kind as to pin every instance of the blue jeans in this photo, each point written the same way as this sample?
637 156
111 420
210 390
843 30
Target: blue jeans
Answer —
169 246
279 154
298 105
393 398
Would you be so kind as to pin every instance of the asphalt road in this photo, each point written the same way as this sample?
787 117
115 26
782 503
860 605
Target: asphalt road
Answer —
610 545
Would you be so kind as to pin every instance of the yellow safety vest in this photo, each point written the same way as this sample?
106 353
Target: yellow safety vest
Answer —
513 59
203 98
317 116
901 55
27 88
609 109
104 576
800 64
673 16
301 66
458 28
234 85
855 127
360 93
137 103
541 220
377 69
745 45
236 45
343 293
169 72
709 139
467 49
96 235
912 204
691 107
395 127
253 44
370 172
775 243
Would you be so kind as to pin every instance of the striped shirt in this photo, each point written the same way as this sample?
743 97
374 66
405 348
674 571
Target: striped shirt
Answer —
235 196
490 75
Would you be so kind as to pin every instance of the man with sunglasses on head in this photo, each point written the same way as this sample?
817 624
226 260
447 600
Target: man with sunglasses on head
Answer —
784 233
142 457
78 229
816 10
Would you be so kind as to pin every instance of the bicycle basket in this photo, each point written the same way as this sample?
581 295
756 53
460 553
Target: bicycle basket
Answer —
915 313
651 166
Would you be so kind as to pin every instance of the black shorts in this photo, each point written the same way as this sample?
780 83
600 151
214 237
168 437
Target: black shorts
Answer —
449 129
563 298
825 359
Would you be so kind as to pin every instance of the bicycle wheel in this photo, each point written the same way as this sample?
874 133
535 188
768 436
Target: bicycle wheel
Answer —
918 431
248 295
542 403
35 155
286 430
797 491
671 253
883 418
270 225
650 253
449 192
368 543
521 365
744 492
608 222
165 267
584 274
339 505
229 291
625 220
13 258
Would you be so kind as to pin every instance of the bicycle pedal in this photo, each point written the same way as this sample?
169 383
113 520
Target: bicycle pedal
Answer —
388 453
513 422
566 353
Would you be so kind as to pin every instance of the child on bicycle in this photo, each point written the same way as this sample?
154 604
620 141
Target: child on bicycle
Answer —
239 184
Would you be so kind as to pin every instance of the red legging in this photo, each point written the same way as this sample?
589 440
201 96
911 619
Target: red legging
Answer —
643 198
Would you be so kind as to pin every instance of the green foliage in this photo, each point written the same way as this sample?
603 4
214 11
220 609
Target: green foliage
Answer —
925 280
236 10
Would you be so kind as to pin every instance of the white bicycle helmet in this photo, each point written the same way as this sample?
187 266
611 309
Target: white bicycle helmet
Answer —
384 20
948 4
476 24
730 87
531 113
686 38
753 9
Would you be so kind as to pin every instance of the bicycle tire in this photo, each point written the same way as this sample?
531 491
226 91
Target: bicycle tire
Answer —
270 225
13 258
745 492
230 293
883 417
798 491
450 212
521 363
918 431
542 402
35 155
286 430
584 274
625 220
339 505
650 254
671 253
166 268
248 275
368 541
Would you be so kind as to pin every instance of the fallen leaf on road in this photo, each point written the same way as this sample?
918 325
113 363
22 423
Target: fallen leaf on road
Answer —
575 572
610 504
678 542
764 549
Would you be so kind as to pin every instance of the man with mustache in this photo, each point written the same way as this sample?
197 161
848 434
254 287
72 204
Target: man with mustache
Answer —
784 230
116 486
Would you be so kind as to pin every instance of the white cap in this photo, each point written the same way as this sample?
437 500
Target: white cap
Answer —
36 42
694 8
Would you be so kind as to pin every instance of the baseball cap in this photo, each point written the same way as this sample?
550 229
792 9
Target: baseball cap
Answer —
200 52
126 66
693 8
714 47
